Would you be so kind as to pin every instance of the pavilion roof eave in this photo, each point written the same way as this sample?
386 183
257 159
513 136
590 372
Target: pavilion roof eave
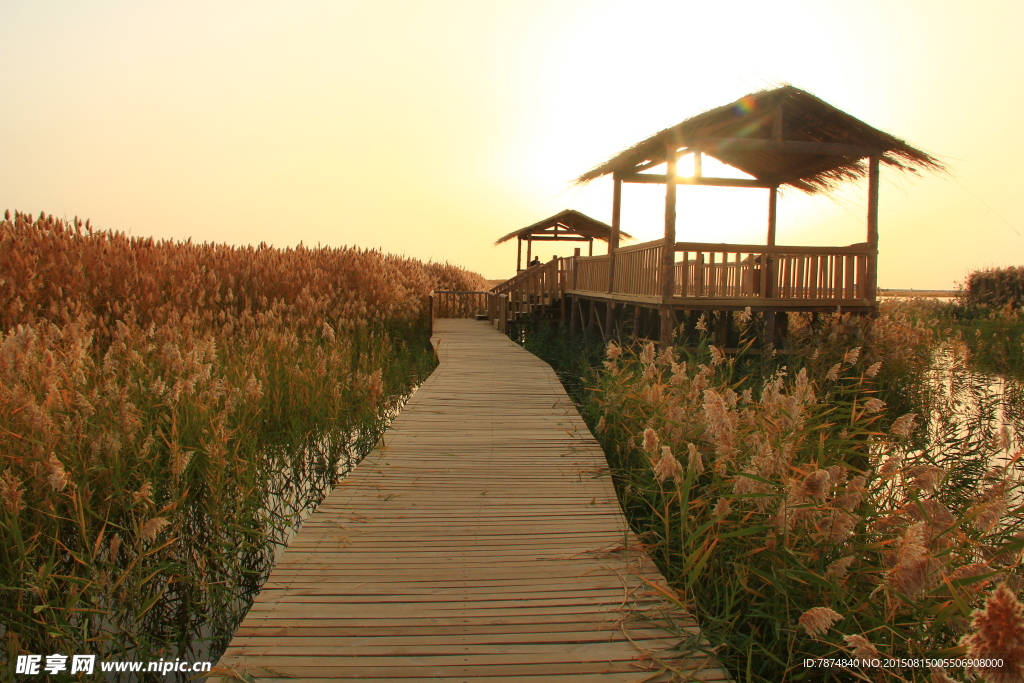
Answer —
783 136
575 225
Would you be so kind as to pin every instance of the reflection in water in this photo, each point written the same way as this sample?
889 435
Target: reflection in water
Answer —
977 418
303 477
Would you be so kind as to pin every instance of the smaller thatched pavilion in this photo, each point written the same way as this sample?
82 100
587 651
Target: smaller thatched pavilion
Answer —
567 226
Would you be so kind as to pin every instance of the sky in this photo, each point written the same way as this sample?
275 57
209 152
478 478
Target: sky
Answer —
431 128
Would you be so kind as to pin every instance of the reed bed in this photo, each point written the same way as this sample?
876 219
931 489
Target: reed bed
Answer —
801 511
167 412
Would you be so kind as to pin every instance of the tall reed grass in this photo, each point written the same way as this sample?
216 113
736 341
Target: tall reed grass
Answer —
815 506
168 410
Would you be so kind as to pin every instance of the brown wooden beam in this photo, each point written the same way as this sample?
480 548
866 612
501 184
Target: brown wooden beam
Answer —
861 248
559 238
773 198
711 182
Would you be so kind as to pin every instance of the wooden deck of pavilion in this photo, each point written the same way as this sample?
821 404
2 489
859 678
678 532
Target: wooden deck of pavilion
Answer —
482 541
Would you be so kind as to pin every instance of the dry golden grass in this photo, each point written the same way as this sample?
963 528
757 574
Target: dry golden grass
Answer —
167 409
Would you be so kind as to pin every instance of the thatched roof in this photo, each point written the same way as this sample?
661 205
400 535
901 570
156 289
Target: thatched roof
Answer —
743 135
568 224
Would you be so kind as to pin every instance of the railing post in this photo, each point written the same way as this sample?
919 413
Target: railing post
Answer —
430 315
575 265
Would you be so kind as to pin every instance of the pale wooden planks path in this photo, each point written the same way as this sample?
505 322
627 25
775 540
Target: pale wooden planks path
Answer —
482 541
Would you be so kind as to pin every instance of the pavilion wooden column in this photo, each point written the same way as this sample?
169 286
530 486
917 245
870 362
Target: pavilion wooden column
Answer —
871 288
613 244
773 199
519 254
529 251
668 251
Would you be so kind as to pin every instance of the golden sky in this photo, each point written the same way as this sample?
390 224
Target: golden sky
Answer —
432 127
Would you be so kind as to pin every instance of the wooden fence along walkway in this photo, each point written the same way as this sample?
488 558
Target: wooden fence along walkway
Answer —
482 541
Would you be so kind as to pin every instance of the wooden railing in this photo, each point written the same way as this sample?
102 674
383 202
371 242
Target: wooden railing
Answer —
638 269
592 273
732 271
742 271
458 304
538 288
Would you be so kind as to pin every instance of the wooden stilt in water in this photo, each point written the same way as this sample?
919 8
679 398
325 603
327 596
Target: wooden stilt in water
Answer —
723 326
600 326
574 316
638 312
611 319
780 328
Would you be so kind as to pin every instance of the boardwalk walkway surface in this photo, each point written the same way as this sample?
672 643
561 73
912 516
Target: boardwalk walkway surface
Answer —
480 542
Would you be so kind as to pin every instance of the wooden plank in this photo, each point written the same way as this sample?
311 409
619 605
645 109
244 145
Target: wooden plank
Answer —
482 539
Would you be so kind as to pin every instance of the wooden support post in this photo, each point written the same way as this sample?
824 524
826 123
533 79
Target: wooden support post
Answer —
574 316
571 282
773 197
597 319
668 250
722 328
613 238
611 314
769 329
590 247
613 244
781 328
637 320
560 288
519 254
871 289
529 251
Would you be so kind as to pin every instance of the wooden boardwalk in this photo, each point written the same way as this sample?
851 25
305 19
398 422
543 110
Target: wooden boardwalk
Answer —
482 541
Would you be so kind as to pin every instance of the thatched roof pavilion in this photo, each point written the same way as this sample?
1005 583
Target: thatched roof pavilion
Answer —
781 136
784 136
567 226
